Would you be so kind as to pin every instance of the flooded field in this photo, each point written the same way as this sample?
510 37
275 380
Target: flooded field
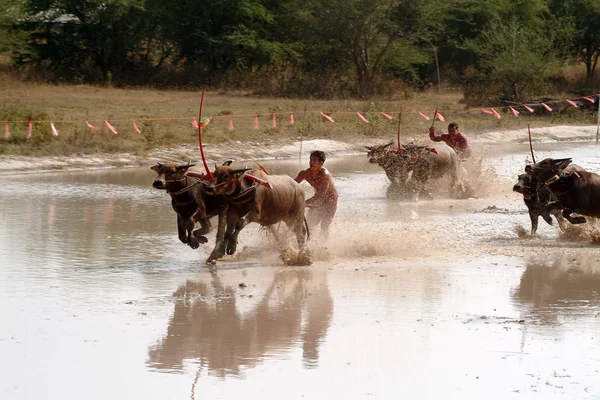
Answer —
438 299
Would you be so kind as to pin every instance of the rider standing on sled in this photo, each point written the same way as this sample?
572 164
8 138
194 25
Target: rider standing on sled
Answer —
454 139
323 205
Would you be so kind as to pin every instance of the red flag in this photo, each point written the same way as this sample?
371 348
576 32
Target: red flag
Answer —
195 123
291 118
230 123
112 128
256 121
29 130
423 115
528 108
327 117
589 99
274 121
496 113
366 121
439 116
515 112
54 131
91 126
6 132
387 116
546 107
572 103
488 112
136 128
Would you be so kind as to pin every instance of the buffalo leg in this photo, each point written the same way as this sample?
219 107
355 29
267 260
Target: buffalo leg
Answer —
574 220
301 229
192 241
205 228
233 237
533 216
219 250
184 230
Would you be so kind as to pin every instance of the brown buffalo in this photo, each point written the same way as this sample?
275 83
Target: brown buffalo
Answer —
537 196
576 190
412 166
192 204
261 198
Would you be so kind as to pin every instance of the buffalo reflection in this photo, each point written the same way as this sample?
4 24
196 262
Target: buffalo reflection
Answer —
214 326
559 286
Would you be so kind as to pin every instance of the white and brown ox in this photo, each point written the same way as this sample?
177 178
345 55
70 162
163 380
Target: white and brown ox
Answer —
576 190
255 196
192 204
412 166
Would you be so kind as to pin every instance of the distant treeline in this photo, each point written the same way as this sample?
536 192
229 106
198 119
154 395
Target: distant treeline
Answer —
493 49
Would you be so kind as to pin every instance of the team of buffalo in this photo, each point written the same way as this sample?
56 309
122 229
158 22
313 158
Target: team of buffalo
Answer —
240 196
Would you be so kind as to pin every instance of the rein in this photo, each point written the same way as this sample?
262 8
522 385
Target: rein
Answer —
552 180
185 189
244 196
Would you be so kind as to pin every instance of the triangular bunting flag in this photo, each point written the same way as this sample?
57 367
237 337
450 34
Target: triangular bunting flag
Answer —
54 131
112 128
366 121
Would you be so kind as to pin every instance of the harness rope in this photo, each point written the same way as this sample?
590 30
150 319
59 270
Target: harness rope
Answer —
186 188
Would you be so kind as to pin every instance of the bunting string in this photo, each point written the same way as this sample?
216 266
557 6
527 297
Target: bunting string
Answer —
492 111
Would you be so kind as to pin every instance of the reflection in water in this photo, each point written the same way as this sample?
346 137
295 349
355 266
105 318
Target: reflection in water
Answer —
210 325
562 285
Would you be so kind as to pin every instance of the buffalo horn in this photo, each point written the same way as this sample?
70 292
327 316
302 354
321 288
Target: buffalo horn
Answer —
185 166
227 163
238 171
561 160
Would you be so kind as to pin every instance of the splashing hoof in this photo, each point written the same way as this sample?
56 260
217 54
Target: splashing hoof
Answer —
293 258
199 237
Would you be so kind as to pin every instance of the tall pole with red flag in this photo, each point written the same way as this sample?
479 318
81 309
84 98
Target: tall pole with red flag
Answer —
200 126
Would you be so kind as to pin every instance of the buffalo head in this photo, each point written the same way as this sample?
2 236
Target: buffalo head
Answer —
227 179
168 172
547 168
526 185
377 152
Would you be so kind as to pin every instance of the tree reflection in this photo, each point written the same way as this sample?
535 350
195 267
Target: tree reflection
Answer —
210 324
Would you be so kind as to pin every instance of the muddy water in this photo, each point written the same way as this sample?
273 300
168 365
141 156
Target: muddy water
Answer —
440 299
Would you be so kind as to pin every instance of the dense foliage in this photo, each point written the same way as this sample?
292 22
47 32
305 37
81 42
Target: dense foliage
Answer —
495 49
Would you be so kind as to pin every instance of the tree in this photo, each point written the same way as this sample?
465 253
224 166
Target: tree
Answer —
585 16
365 34
95 40
11 39
513 55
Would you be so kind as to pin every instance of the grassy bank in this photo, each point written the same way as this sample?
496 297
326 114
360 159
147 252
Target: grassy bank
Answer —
164 118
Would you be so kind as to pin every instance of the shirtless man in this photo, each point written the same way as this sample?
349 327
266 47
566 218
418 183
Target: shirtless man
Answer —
323 205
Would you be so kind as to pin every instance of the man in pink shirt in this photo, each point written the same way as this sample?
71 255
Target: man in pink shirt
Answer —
454 139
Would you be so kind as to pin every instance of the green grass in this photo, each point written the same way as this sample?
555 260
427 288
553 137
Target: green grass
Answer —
164 117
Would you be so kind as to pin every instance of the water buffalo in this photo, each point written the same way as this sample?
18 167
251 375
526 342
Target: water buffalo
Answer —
262 198
576 190
537 196
412 166
192 204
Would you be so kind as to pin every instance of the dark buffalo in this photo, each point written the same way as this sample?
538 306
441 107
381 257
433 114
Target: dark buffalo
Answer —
576 190
537 196
264 199
192 204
